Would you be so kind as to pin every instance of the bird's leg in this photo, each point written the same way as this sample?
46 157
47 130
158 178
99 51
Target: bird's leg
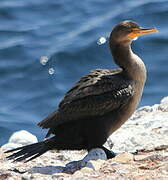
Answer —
97 136
109 154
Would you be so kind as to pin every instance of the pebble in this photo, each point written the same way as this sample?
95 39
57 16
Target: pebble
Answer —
124 157
95 154
95 165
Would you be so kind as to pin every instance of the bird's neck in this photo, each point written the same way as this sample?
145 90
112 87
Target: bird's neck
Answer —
131 64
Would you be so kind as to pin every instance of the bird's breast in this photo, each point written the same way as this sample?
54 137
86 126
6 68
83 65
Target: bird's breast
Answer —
121 115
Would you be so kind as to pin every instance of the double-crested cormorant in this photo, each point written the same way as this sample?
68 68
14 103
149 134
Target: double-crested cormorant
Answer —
98 104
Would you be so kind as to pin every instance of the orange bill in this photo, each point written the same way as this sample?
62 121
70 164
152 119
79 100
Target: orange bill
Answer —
140 31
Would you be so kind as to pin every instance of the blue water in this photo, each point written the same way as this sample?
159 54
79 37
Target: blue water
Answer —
66 31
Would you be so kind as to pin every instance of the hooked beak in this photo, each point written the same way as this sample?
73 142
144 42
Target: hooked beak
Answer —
135 32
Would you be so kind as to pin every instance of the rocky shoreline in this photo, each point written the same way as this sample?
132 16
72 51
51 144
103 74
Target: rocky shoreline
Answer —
141 144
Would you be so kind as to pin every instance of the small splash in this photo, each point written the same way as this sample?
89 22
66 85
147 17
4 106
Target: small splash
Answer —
101 40
51 71
44 60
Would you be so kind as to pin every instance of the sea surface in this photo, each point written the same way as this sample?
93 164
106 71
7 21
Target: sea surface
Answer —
65 32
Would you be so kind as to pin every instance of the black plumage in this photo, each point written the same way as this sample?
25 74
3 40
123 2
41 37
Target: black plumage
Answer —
98 104
98 93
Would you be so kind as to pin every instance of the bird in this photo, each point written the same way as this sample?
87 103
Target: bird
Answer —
98 104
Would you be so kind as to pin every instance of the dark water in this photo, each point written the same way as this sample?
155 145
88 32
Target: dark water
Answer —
66 31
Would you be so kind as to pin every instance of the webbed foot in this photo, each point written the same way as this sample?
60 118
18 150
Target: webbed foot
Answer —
109 154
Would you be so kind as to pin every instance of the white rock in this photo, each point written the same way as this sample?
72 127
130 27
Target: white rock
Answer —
95 154
148 130
164 100
155 107
19 138
23 137
145 108
95 165
10 146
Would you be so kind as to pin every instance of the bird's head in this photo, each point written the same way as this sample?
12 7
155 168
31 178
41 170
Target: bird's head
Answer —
127 31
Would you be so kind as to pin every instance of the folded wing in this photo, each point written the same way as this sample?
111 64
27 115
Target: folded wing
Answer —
99 92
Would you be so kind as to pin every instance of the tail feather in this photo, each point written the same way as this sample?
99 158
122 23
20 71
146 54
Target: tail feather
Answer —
31 151
23 147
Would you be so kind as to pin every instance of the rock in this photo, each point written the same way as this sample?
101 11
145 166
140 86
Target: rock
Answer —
5 176
164 100
10 146
95 165
95 154
124 157
47 169
85 170
19 138
145 108
60 176
146 128
151 164
145 133
22 137
163 107
74 166
140 157
80 173
26 176
1 154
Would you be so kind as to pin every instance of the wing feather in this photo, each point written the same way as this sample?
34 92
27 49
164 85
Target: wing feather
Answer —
97 93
